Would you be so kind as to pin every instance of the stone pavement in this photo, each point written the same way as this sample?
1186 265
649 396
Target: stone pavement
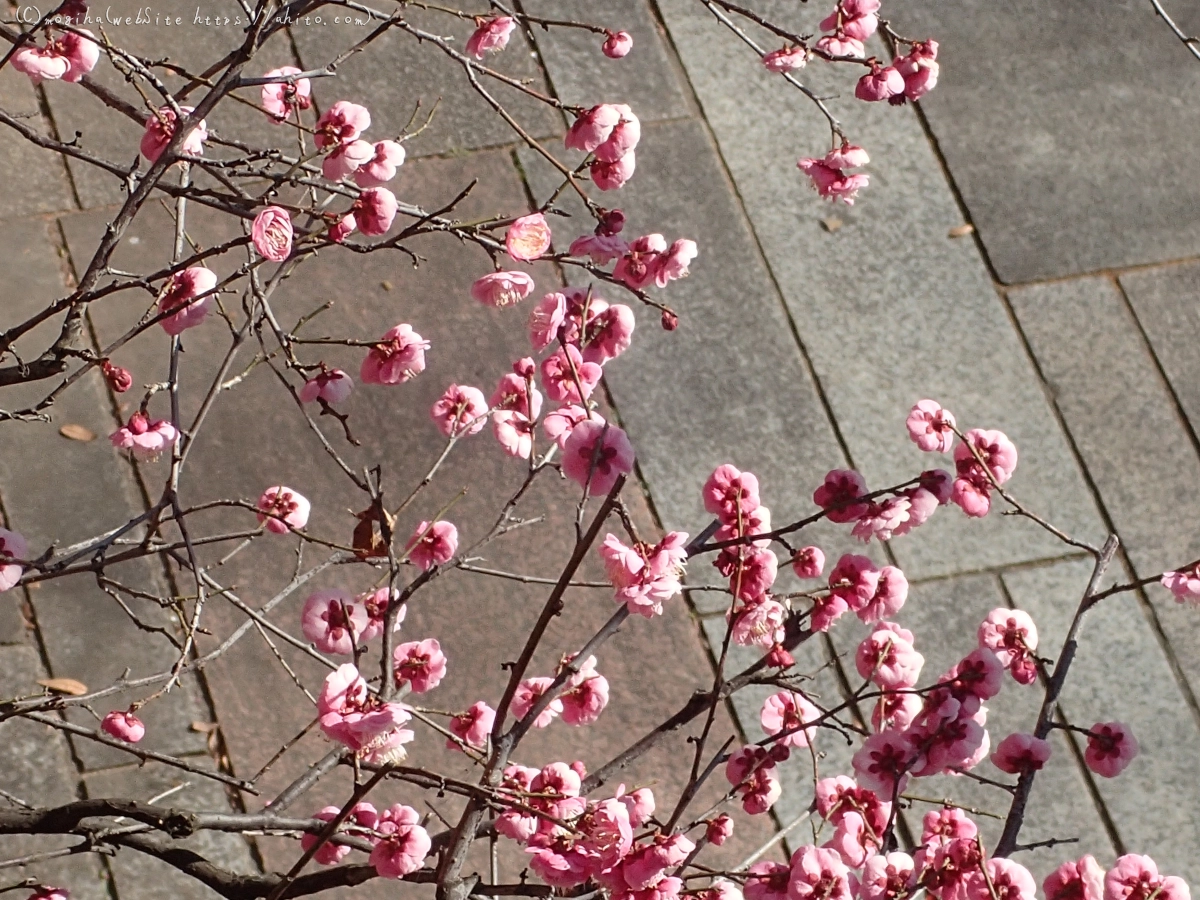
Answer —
1062 131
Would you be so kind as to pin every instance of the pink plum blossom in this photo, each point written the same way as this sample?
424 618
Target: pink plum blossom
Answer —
622 139
602 248
787 711
528 238
612 176
282 98
545 320
617 44
855 579
565 374
993 447
719 830
559 423
12 546
895 711
768 880
490 36
809 562
890 593
124 726
1111 747
751 771
592 127
513 823
931 427
1080 879
828 176
751 571
340 124
1019 753
526 697
502 289
333 621
645 575
786 59
351 715
281 509
887 657
818 874
374 210
397 357
841 44
472 727
514 431
1012 636
838 493
380 168
160 128
420 663
587 695
331 385
69 57
144 438
343 228
886 877
729 494
345 159
376 603
1007 880
461 410
272 233
883 763
919 68
1184 584
879 84
758 623
674 263
882 520
639 267
609 333
432 544
596 455
404 843
179 301
1136 877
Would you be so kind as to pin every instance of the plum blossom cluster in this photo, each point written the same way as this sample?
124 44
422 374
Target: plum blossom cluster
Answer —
338 133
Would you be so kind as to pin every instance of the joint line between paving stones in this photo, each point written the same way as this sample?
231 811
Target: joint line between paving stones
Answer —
1147 608
1113 272
48 115
1025 565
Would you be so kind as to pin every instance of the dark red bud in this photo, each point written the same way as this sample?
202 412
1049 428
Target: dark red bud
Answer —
670 321
120 380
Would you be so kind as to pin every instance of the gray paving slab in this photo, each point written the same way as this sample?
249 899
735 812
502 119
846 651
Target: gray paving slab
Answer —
1120 674
195 46
889 308
1040 113
396 72
1149 487
944 617
1164 300
40 183
141 877
38 769
647 79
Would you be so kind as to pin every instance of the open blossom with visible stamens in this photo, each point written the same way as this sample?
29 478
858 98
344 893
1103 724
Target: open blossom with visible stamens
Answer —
124 726
931 427
472 726
1081 879
1007 880
639 267
12 546
546 318
565 374
751 571
272 233
68 57
182 299
1111 747
818 873
599 452
730 494
333 621
490 36
674 263
461 410
351 715
886 877
602 248
887 657
340 124
386 157
377 603
767 880
404 843
617 45
758 623
559 423
144 438
645 576
528 238
838 494
331 385
586 696
421 663
751 771
882 520
1136 877
502 289
786 59
160 128
787 711
432 544
884 761
1012 636
527 695
345 159
1020 753
397 357
281 99
281 509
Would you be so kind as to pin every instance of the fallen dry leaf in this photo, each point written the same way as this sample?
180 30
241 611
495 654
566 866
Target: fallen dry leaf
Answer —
386 285
831 224
77 433
960 230
64 686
